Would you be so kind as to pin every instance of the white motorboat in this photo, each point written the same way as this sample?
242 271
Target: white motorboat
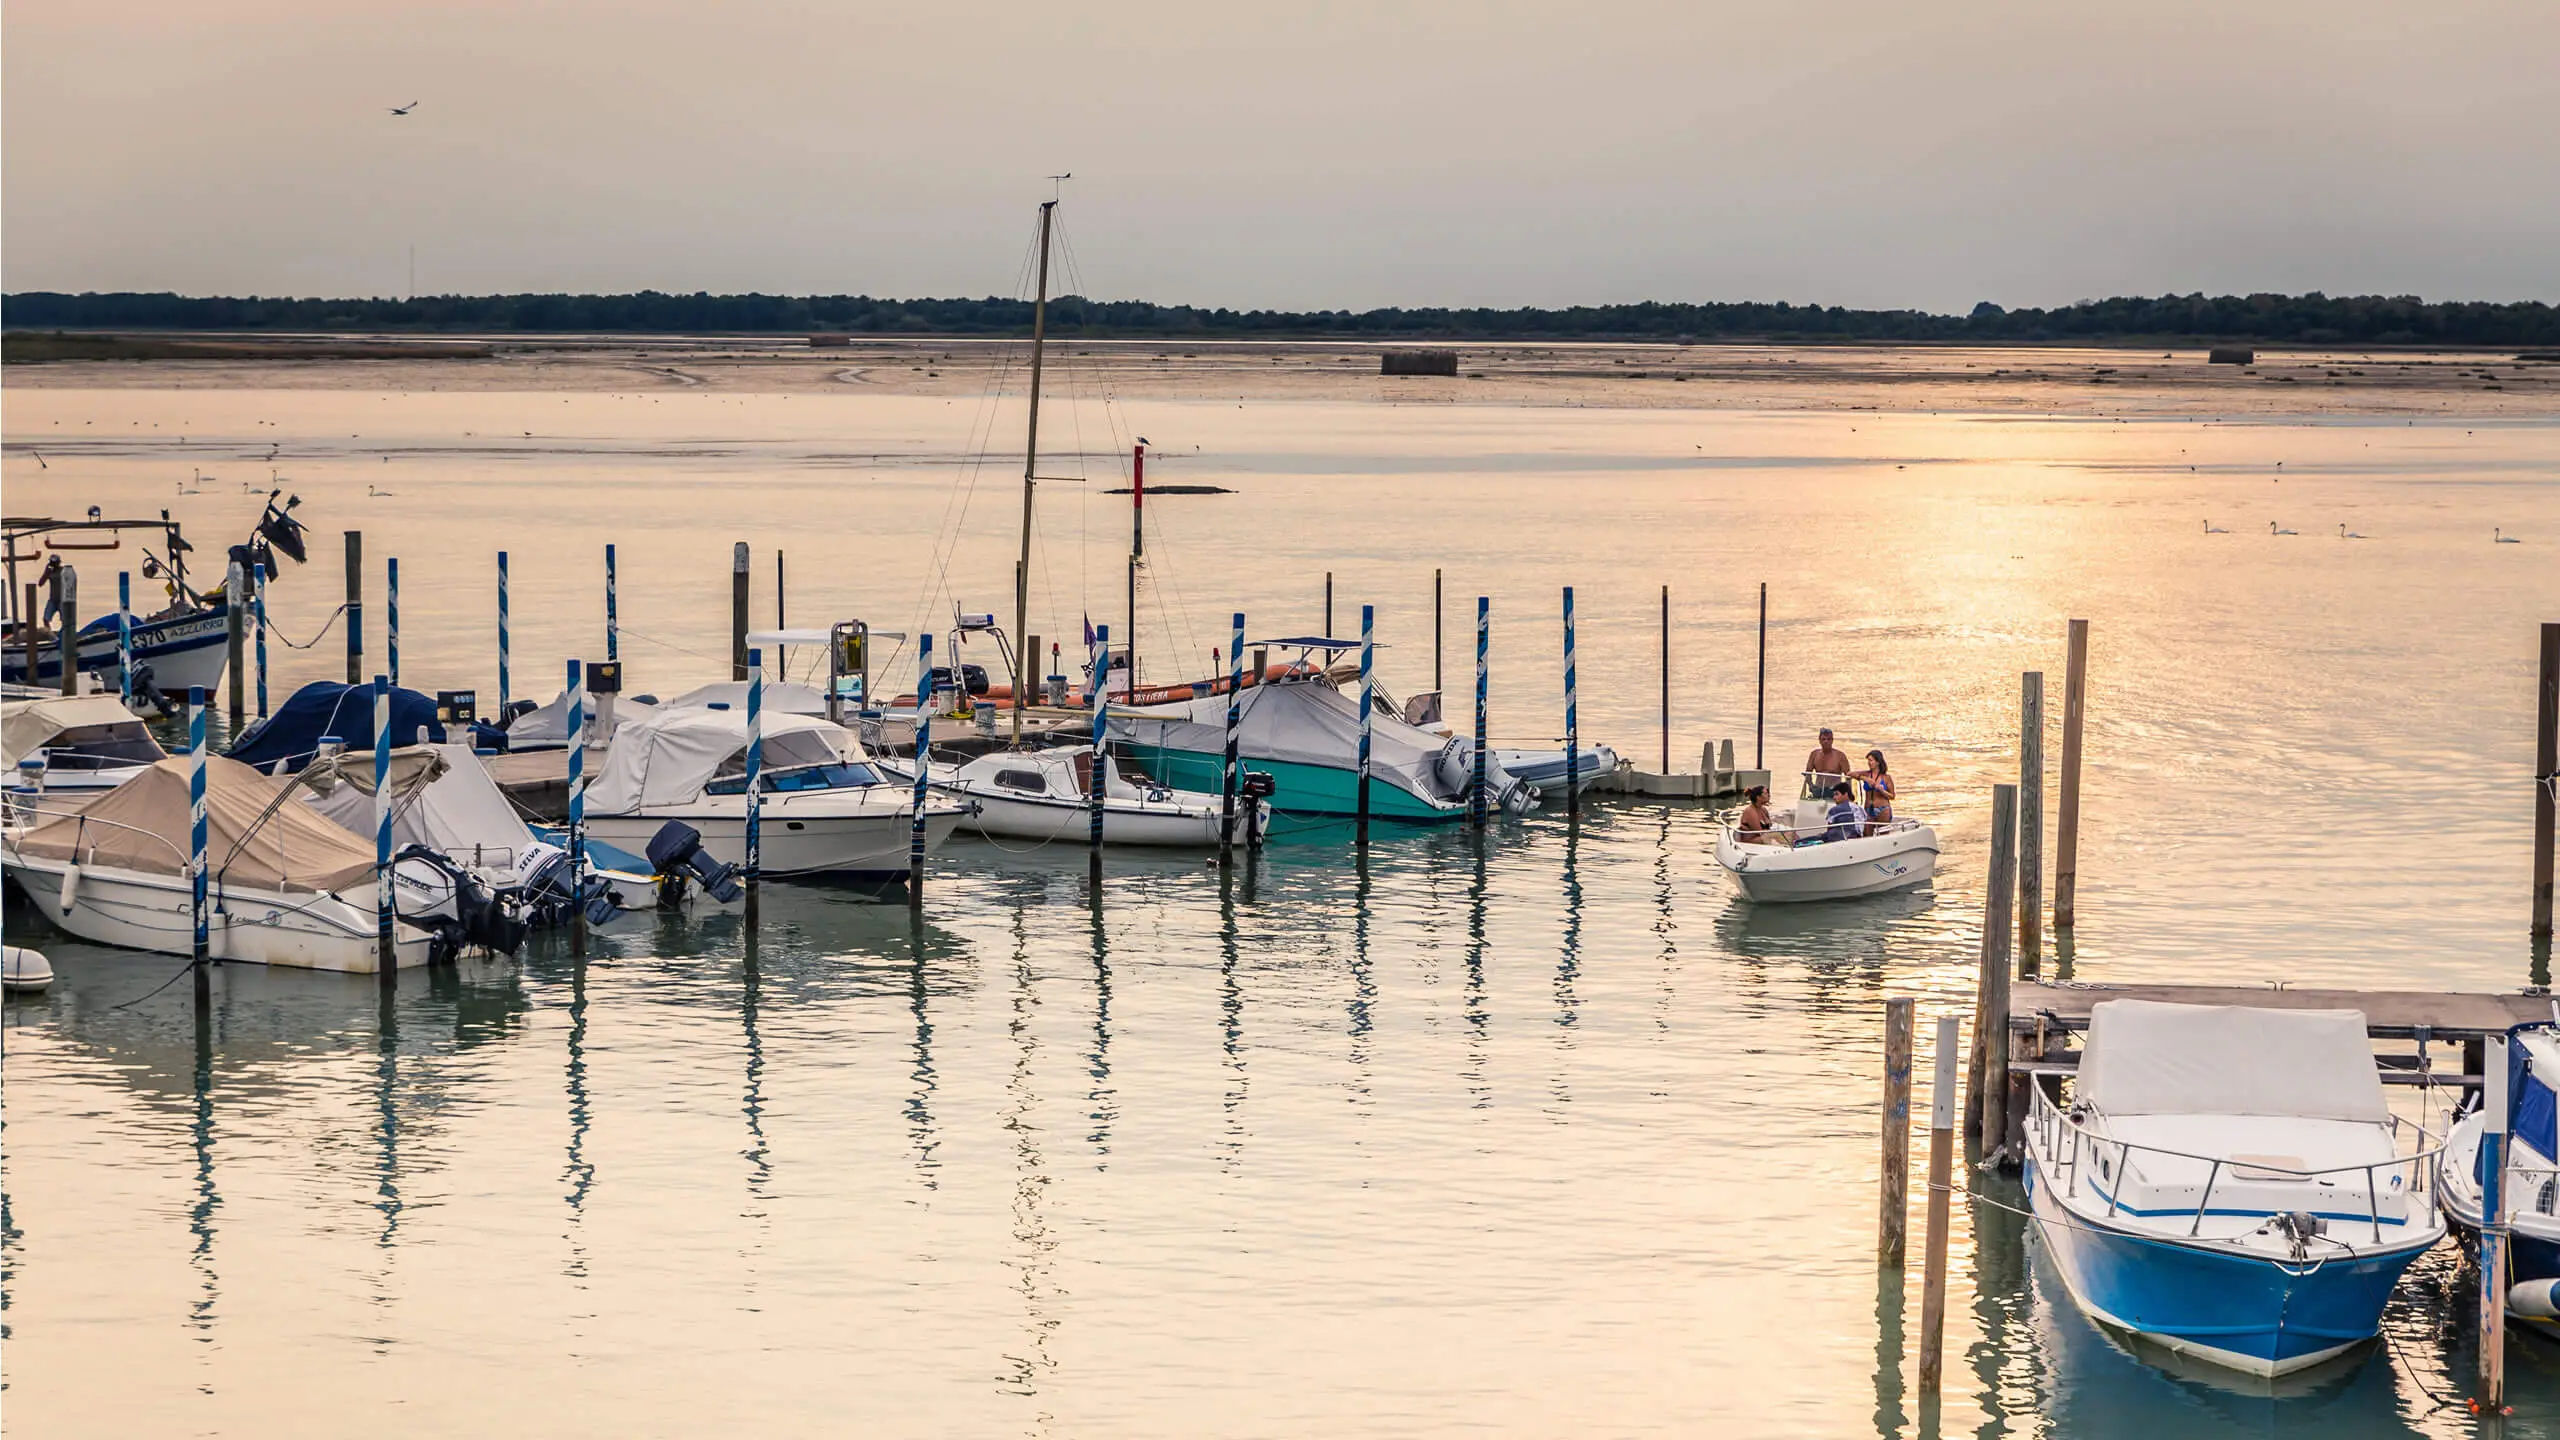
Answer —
2529 1199
2229 1183
826 812
1046 795
1545 769
88 743
1813 860
285 886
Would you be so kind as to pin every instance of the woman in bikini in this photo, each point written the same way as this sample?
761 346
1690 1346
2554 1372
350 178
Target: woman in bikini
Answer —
1877 784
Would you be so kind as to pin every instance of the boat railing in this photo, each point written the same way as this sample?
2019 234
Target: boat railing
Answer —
21 807
1801 835
2051 1123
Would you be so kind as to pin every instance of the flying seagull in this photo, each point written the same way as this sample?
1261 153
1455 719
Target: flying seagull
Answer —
404 109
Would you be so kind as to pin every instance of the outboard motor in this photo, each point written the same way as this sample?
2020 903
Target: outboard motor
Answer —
1455 768
470 912
1256 787
676 852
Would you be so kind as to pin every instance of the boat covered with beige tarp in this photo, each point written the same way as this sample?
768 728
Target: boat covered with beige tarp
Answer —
285 886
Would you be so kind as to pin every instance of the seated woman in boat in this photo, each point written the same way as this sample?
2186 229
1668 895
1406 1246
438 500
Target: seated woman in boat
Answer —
1877 782
1753 826
1843 822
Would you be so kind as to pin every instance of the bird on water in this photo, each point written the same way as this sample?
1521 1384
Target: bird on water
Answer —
2212 529
2274 529
404 109
2501 537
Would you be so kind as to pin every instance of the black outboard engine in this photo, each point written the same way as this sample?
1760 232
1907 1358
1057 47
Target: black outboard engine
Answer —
480 916
676 853
1254 787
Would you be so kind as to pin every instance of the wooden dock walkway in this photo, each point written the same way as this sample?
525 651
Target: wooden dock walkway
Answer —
2389 1014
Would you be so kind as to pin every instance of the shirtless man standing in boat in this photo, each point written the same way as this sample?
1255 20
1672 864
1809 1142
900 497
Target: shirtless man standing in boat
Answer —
1827 766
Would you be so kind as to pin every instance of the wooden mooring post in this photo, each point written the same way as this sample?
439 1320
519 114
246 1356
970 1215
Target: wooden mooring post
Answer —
2066 840
1986 1113
1893 1210
355 607
2546 773
1933 1284
738 623
1760 700
2030 823
235 641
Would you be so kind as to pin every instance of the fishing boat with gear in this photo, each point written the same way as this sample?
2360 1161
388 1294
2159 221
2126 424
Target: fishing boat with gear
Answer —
175 646
2229 1182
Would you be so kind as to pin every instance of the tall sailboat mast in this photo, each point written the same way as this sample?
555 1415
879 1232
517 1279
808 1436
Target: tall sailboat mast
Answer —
1030 459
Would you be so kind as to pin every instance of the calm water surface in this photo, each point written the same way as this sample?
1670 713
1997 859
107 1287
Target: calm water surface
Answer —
1550 1135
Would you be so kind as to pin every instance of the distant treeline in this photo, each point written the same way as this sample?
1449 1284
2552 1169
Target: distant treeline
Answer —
2312 319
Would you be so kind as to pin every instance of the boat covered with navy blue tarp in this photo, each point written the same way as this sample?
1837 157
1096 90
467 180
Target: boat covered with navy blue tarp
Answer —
325 709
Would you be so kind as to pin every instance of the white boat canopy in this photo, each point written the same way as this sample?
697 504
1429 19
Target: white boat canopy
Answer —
549 725
669 757
27 726
253 838
1305 723
442 798
2149 1058
781 697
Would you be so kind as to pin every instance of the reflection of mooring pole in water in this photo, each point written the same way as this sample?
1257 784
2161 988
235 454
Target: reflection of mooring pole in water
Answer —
758 1154
387 1108
1478 1019
208 1199
1034 1264
1231 1031
579 1175
1364 986
1569 954
919 1101
1101 1096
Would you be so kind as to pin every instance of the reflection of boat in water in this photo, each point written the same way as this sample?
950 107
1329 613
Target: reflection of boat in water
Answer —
2228 1182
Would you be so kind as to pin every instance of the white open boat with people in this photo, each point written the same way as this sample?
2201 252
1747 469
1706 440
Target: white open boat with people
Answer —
285 886
1812 859
2228 1182
83 744
826 811
1047 795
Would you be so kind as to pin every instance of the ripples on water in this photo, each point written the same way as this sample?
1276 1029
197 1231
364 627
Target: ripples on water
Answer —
1545 1136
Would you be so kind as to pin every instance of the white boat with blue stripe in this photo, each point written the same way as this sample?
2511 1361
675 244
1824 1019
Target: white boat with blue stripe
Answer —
2229 1183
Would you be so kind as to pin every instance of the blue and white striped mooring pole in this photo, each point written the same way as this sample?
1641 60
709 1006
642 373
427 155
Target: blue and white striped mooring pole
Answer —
612 611
577 807
1476 798
924 762
1572 721
124 636
1368 705
391 630
2493 1223
386 902
196 876
258 599
503 696
1235 718
1098 786
755 772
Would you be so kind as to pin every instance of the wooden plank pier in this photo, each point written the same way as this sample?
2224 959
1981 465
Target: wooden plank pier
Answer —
2389 1014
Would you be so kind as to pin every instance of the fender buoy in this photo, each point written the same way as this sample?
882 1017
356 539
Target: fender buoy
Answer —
2534 1300
70 887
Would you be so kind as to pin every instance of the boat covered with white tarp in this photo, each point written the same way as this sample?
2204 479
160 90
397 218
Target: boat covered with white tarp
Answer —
1305 734
2229 1182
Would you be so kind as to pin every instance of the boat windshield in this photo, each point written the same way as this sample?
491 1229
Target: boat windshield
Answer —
102 747
834 775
